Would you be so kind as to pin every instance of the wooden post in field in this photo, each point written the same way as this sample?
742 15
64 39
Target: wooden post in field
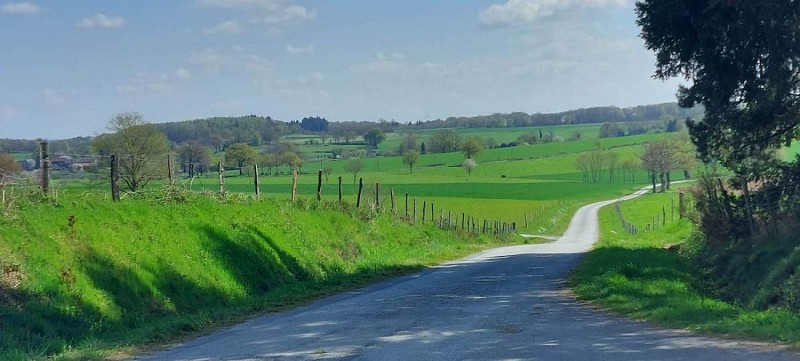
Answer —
391 197
360 188
255 181
294 184
462 220
170 176
377 196
526 220
424 207
406 205
415 209
663 215
44 162
340 188
432 212
114 178
4 197
319 185
681 205
441 218
449 220
221 168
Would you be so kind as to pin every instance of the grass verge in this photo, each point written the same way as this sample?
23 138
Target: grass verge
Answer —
648 277
84 278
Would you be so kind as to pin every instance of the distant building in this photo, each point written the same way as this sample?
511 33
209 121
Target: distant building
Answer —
82 163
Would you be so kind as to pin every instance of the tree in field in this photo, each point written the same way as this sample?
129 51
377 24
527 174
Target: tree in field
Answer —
139 147
611 161
469 165
194 157
410 158
327 170
444 141
472 147
240 154
354 166
9 168
742 59
409 143
629 167
582 164
293 160
374 136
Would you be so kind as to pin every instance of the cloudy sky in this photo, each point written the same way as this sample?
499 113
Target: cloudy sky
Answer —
68 66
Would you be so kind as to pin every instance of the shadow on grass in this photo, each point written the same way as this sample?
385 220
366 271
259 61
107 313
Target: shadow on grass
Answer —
651 283
152 302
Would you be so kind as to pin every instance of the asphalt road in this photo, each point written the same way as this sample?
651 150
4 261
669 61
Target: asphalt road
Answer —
504 304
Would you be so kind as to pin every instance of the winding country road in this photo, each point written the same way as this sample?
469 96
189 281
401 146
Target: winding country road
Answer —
504 304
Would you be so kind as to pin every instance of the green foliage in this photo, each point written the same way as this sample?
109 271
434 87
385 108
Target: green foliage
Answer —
374 136
745 77
444 141
472 147
240 154
161 265
653 276
138 145
410 158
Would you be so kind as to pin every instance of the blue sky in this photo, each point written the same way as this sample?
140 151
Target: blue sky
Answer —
68 66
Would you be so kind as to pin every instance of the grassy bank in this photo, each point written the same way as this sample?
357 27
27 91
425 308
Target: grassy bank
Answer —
83 277
647 277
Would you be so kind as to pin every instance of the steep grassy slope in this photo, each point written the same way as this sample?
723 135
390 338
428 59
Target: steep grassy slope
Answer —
82 276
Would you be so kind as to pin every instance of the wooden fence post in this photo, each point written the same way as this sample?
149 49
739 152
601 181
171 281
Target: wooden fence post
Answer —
449 220
221 167
391 197
663 215
424 207
114 178
170 176
360 188
319 185
44 165
432 215
340 188
255 181
377 196
406 205
681 205
415 209
294 184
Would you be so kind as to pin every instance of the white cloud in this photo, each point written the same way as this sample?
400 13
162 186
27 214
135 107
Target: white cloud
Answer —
101 20
20 8
526 11
273 12
293 13
183 74
227 27
299 50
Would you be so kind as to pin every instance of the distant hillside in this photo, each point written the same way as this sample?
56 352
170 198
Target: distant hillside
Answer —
218 132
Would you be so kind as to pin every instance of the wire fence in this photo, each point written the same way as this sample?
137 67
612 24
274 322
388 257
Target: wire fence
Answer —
122 175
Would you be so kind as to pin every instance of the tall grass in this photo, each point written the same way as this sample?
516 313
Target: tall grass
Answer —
652 276
82 274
